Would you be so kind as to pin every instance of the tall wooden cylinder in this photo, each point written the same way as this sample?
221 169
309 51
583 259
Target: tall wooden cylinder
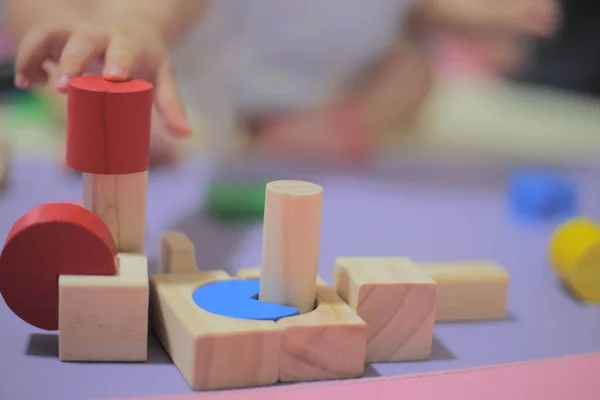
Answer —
291 241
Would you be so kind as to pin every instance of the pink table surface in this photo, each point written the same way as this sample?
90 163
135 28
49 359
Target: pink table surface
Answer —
571 377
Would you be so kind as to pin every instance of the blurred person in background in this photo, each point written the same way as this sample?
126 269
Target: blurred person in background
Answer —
313 78
570 60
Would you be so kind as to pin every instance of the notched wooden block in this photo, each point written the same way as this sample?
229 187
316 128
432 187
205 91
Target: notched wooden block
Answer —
105 318
211 351
326 343
469 291
396 299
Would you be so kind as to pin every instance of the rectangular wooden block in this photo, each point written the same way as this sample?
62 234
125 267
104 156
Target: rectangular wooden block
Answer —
211 351
326 343
105 318
469 291
119 201
397 301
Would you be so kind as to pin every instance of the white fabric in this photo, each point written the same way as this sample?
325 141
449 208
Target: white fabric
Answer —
260 56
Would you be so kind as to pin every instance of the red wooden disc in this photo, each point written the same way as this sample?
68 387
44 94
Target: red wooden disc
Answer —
51 240
108 125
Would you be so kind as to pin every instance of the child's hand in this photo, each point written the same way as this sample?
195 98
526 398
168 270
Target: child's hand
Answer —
336 134
127 48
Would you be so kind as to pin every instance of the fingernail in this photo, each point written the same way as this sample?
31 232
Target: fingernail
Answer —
63 81
21 82
116 72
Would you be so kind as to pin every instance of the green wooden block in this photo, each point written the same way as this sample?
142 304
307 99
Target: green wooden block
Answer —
236 200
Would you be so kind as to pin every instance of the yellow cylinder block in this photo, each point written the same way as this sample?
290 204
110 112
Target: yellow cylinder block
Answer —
575 255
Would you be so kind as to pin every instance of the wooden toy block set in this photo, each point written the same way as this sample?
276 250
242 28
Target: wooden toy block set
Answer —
82 270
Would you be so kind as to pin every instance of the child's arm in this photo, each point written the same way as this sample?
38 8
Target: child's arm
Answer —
131 36
397 88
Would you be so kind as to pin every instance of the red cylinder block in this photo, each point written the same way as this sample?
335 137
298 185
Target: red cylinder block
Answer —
51 240
108 125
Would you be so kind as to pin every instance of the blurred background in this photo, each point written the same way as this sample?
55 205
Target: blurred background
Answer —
533 103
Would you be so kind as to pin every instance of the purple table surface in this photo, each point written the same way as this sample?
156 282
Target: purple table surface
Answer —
428 216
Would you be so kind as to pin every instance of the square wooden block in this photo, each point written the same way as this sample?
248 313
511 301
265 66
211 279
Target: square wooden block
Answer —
211 351
105 318
326 343
396 299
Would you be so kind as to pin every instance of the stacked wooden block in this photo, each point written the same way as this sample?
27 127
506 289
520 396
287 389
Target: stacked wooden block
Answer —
378 310
82 270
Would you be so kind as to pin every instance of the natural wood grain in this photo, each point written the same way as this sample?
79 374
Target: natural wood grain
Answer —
397 301
105 318
120 201
327 343
177 253
291 236
211 351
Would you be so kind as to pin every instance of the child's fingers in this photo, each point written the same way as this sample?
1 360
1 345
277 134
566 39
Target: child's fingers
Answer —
37 47
168 102
81 49
121 59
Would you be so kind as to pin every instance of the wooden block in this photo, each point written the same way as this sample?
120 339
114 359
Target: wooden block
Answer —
291 236
120 201
105 318
469 291
248 273
211 351
326 343
177 253
108 128
397 301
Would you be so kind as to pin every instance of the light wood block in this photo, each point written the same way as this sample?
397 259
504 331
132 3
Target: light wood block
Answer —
396 299
326 343
120 201
105 318
177 253
469 291
211 351
248 273
291 236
